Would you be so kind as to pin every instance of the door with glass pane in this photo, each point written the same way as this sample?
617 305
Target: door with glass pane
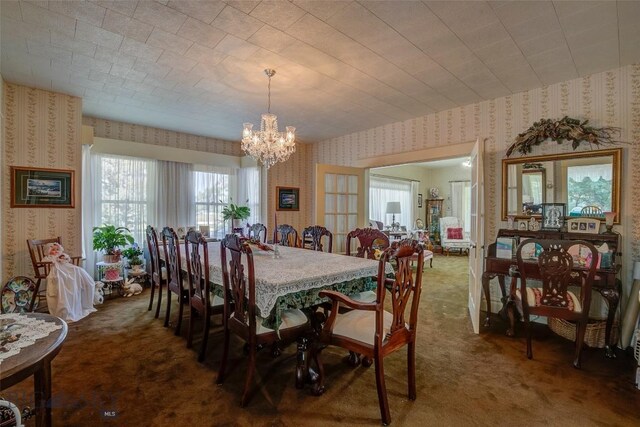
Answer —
340 201
476 237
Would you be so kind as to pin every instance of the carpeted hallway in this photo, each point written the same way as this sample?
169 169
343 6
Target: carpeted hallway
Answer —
122 361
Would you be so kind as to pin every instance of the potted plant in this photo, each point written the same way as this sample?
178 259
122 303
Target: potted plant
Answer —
134 254
109 239
235 213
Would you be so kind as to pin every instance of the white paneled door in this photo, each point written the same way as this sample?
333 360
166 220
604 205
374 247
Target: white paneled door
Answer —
340 201
476 235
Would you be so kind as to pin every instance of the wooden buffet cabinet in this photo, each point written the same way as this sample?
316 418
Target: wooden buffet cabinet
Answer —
606 281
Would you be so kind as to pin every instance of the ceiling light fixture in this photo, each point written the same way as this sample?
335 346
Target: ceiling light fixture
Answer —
267 145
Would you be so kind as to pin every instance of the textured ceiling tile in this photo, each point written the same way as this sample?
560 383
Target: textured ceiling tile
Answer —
141 50
245 6
204 55
497 51
485 36
115 56
238 48
464 16
542 42
79 46
205 11
98 35
271 38
237 23
48 51
127 73
13 30
566 7
168 41
125 7
159 16
199 32
534 28
277 13
178 62
553 74
11 9
89 62
80 10
591 18
556 56
517 12
48 19
126 26
322 9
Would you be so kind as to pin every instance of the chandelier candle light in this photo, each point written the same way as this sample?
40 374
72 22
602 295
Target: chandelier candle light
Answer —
268 145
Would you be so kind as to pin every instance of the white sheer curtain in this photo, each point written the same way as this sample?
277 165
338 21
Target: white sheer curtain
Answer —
383 190
249 190
461 202
88 210
415 211
123 192
214 188
174 204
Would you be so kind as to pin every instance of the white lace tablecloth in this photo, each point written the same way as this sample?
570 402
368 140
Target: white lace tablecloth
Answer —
297 270
28 328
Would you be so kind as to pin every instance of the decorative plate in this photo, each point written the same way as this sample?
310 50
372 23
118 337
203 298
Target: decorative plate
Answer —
17 294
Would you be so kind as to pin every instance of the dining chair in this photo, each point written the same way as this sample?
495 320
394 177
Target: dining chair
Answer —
369 329
174 279
38 251
256 230
557 269
158 273
288 235
591 210
241 316
202 302
369 239
312 238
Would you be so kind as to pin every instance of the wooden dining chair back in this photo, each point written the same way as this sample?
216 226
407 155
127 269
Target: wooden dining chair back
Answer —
369 239
556 269
37 252
288 235
241 316
202 302
157 278
174 276
370 330
256 230
312 238
591 210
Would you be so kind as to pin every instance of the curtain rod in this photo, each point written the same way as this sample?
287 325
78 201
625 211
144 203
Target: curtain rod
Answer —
393 177
462 180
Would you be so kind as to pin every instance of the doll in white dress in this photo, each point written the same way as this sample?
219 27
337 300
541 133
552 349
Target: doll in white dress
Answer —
70 289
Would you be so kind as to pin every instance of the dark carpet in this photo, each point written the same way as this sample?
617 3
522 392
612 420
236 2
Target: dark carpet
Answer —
121 367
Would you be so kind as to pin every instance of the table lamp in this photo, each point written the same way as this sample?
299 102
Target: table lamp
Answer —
608 221
393 208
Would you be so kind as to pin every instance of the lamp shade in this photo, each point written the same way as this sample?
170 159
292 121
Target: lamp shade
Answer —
609 217
393 208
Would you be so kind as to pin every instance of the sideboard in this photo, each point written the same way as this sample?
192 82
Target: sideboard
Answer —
606 281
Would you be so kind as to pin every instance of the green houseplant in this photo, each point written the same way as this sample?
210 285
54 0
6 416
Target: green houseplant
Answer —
109 239
235 213
134 254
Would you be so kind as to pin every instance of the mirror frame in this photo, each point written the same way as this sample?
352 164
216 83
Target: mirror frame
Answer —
616 154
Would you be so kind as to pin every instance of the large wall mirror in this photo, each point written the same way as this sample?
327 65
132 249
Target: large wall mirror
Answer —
587 182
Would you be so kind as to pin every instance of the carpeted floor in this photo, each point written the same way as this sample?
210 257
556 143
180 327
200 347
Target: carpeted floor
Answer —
121 367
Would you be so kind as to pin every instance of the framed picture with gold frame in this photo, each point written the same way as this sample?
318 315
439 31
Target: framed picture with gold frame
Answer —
42 188
288 199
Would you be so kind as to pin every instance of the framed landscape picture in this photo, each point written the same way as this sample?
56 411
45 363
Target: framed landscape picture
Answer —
288 199
41 188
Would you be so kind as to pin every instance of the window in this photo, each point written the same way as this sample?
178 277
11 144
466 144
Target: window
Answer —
124 192
383 190
212 187
461 202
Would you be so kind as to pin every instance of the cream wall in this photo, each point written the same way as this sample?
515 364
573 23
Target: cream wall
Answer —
41 129
610 98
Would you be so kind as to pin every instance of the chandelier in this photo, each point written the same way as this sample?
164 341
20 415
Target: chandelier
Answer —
267 145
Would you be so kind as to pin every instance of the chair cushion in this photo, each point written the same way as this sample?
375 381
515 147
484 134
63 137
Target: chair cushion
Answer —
360 325
454 233
290 319
534 298
366 296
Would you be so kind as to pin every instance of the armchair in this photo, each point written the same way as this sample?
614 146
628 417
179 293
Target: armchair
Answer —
452 235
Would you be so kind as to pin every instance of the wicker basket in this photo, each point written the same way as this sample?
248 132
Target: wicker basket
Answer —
594 335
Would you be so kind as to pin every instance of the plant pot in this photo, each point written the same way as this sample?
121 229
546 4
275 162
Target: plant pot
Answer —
136 268
110 259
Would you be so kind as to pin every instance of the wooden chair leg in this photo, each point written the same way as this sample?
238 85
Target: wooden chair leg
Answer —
159 300
180 314
153 291
190 330
225 354
35 295
382 391
581 327
250 372
205 337
168 311
411 369
318 385
527 327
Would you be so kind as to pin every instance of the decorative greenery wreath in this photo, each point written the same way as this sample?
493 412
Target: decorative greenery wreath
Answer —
565 129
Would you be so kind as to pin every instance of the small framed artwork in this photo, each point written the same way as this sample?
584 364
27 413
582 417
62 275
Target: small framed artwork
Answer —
583 225
419 200
523 225
288 199
41 188
553 216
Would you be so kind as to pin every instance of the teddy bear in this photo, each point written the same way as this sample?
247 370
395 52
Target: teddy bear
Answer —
131 288
98 295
